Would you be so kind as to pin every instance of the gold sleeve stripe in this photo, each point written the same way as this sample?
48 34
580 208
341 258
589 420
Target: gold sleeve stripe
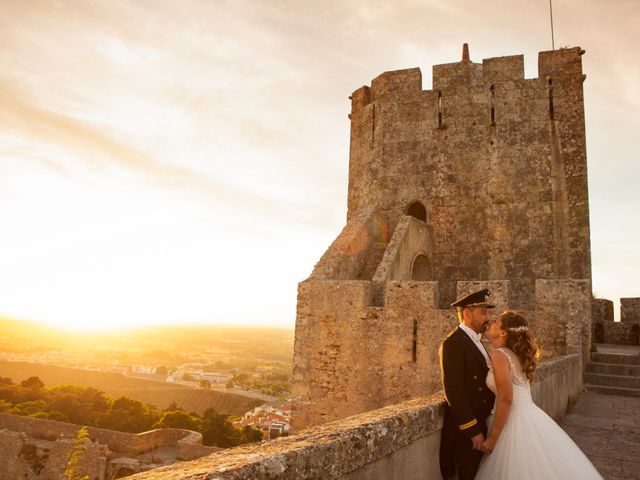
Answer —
468 424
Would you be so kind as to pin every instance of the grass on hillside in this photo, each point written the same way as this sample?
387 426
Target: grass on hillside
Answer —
115 385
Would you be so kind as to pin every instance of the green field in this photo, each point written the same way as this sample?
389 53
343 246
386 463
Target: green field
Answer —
116 385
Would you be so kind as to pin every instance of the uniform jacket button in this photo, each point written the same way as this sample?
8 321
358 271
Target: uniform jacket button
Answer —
475 377
479 389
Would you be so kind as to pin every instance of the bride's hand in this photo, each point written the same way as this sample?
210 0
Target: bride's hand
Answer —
488 444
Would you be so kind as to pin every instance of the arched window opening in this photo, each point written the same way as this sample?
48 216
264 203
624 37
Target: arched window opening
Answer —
417 210
439 109
421 269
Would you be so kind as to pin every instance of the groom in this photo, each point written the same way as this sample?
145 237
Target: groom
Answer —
464 364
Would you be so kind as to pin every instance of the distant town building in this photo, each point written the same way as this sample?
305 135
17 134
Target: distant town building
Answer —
270 420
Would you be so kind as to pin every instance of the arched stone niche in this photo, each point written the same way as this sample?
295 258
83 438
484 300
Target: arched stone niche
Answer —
417 210
421 268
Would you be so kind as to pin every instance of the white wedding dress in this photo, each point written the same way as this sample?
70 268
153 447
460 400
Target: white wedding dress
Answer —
531 445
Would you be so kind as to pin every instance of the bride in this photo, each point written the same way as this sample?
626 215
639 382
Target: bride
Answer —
524 443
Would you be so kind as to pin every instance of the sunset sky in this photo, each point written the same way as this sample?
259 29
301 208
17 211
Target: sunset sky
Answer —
186 161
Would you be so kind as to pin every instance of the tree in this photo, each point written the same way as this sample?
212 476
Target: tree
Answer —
5 381
217 430
250 435
127 415
229 385
162 371
187 378
179 419
32 407
76 456
205 383
74 410
32 383
98 401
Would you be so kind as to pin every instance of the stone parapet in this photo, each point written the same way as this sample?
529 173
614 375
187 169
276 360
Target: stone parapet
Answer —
122 442
601 310
350 356
395 442
330 451
605 330
630 310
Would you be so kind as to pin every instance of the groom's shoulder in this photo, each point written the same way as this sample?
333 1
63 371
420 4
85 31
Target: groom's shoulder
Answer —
452 336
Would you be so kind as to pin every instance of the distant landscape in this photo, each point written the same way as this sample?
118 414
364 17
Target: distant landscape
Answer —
158 394
230 369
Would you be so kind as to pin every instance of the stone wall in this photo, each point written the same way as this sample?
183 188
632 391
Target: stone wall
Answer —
411 242
497 160
127 443
601 310
397 442
625 332
630 310
353 254
493 167
39 449
27 458
350 357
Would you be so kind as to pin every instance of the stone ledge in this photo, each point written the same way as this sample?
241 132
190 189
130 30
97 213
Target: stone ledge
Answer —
327 451
554 365
336 449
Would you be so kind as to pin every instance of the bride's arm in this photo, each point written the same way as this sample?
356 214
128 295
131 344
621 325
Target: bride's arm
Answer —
504 386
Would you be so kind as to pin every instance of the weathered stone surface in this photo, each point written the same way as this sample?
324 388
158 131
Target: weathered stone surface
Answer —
351 357
625 332
108 453
329 451
480 181
630 310
497 161
395 442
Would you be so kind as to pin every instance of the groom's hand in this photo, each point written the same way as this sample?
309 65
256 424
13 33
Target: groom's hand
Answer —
477 441
487 446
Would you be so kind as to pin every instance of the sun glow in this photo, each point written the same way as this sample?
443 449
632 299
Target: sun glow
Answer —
153 173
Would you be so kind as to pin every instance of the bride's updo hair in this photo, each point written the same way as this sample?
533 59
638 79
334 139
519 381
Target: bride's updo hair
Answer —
521 341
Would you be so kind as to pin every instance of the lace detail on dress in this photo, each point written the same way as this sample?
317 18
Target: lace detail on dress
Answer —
517 375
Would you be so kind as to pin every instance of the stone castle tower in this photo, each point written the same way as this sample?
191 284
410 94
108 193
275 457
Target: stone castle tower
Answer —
481 181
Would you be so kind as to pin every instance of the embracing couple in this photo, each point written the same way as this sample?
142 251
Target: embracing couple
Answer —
492 429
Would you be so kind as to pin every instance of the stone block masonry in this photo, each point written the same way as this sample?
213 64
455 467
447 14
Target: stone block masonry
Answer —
39 449
625 332
397 442
352 357
479 182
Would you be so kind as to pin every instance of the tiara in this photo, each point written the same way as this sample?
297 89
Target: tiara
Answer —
521 328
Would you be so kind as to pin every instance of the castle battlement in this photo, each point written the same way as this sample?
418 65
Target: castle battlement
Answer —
454 77
352 356
479 182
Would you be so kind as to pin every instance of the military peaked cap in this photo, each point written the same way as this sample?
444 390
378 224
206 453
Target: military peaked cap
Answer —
475 299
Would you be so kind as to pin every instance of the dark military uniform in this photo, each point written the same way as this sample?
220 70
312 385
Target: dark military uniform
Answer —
469 401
